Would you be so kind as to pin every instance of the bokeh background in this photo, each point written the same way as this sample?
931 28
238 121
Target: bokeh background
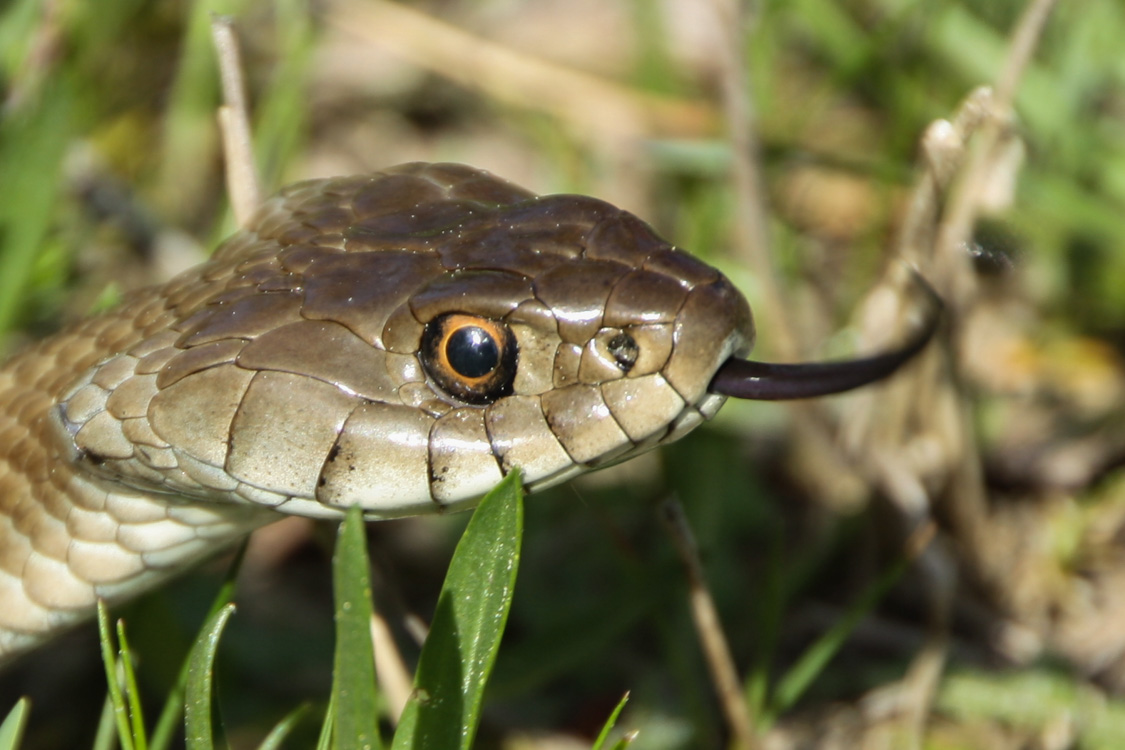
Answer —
110 178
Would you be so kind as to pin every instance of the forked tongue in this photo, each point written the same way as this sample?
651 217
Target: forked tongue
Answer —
762 381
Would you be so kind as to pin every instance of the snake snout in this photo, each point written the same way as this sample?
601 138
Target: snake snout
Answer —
713 325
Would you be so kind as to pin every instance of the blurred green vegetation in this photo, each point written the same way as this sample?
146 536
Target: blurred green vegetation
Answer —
108 149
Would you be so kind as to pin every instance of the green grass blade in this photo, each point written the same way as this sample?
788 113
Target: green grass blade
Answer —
189 134
283 728
772 610
17 35
170 714
802 674
281 119
11 731
201 673
610 723
625 741
105 738
116 697
355 716
169 720
472 610
132 692
32 145
324 742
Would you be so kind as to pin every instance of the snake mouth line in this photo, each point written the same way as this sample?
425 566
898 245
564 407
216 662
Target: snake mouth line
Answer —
763 381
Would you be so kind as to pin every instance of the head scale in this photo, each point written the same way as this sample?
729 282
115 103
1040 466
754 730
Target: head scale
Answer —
401 341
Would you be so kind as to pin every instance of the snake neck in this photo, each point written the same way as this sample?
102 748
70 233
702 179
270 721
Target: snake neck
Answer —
66 538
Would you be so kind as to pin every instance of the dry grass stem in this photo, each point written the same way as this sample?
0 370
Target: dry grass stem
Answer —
967 497
709 629
591 105
898 440
951 264
923 677
827 473
1025 40
917 433
751 218
395 679
243 184
45 49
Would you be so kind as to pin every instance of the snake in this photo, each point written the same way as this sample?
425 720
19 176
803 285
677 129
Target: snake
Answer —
398 341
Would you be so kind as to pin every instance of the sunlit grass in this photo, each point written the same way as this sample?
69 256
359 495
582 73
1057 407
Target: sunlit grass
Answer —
841 89
444 709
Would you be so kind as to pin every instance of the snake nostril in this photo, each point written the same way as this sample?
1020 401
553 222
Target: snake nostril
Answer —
625 351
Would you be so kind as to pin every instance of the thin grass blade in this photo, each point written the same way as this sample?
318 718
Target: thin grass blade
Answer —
771 607
32 145
324 741
132 692
105 738
794 682
201 672
611 722
169 721
116 697
170 715
355 718
283 728
459 653
625 741
11 731
189 133
282 115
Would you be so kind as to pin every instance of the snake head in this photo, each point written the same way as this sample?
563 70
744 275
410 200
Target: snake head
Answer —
401 341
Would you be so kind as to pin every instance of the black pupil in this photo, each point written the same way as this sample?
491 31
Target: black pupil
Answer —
472 352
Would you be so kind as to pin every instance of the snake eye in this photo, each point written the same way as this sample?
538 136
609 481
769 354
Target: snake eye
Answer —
471 358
